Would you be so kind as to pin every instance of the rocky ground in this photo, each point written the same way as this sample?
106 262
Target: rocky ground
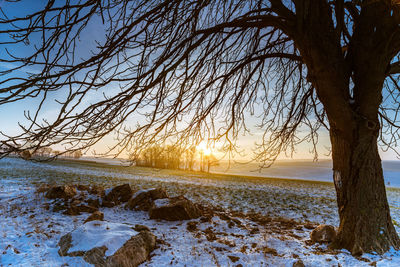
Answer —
45 222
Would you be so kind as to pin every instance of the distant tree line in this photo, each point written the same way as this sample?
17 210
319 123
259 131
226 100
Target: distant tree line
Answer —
172 157
47 152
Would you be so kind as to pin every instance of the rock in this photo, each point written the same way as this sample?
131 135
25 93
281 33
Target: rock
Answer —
59 206
108 244
82 187
134 252
298 263
75 202
108 204
96 256
65 244
210 235
191 226
86 208
143 199
43 188
255 230
120 193
323 234
174 209
64 191
205 218
272 251
309 225
233 258
224 217
95 216
93 202
139 228
46 206
74 210
96 190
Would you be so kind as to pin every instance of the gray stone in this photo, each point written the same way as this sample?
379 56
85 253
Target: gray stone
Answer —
174 209
64 191
95 216
143 199
119 194
323 234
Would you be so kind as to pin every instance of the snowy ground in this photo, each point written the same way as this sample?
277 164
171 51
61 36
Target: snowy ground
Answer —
30 233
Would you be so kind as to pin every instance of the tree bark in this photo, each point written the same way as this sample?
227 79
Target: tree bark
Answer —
365 222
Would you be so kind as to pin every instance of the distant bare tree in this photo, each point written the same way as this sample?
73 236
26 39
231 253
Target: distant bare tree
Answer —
178 67
189 158
173 156
78 154
152 156
211 161
26 154
168 157
43 152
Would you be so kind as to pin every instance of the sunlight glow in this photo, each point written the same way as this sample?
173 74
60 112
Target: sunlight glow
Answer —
204 149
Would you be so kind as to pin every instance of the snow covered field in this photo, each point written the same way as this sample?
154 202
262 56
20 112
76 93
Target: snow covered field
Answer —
30 233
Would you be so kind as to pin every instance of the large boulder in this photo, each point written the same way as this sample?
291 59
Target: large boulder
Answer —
143 199
323 234
117 195
174 209
108 244
63 191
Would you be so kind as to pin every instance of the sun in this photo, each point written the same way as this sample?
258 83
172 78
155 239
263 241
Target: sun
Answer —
203 148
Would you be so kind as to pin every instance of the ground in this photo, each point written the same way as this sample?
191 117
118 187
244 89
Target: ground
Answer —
269 225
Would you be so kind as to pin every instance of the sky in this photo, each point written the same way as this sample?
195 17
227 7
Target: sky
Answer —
13 113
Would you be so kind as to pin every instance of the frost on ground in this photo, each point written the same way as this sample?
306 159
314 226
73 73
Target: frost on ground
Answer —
267 224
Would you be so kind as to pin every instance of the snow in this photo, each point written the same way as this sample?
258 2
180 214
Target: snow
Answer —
304 170
107 191
161 202
30 233
97 234
142 191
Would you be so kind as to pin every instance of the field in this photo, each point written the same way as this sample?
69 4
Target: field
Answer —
29 232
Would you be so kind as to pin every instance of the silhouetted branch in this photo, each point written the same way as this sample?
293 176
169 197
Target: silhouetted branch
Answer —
175 71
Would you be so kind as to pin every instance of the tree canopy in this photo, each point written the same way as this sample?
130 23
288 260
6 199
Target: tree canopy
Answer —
189 70
185 67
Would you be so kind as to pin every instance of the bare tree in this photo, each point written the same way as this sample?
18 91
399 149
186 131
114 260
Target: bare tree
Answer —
189 158
78 154
178 66
43 152
211 161
168 157
173 157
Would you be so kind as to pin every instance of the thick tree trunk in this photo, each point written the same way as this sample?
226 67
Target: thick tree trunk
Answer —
365 222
